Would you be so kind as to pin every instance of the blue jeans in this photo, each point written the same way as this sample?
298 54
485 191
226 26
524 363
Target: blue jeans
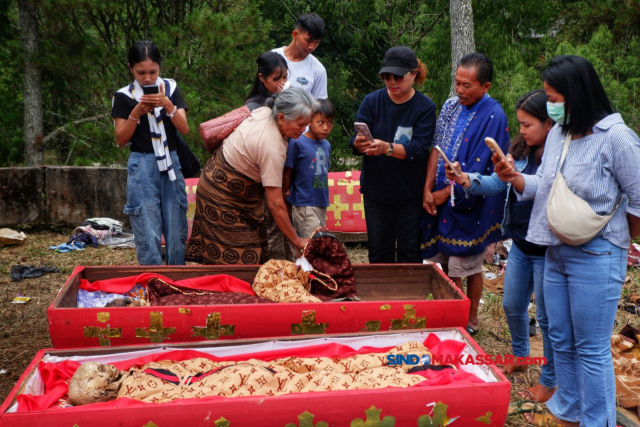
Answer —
388 225
524 276
582 285
156 207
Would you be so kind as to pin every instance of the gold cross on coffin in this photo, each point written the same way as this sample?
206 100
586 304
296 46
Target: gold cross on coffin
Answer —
156 332
214 329
409 321
337 207
308 325
103 334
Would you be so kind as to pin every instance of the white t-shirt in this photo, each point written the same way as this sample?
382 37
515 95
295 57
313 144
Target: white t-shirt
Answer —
308 74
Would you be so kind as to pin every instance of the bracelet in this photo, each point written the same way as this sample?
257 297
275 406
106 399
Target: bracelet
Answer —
135 120
175 110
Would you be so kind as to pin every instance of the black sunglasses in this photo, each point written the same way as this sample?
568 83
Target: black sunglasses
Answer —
389 76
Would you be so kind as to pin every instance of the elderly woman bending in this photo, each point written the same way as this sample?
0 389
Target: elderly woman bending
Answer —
229 223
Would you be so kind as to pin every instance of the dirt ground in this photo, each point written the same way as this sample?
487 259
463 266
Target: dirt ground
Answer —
24 329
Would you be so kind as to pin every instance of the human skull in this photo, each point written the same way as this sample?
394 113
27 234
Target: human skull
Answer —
94 382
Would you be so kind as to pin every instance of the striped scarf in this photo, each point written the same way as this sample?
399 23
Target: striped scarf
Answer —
156 127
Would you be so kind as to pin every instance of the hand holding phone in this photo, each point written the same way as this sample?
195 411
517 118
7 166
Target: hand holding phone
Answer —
494 147
150 89
446 160
363 129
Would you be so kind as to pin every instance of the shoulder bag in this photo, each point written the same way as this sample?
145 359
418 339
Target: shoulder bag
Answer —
571 218
215 131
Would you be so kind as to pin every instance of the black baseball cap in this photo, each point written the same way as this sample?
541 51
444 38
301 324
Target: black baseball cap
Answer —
399 60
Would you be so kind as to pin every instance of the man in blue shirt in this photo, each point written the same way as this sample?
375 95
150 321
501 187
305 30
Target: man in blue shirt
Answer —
459 227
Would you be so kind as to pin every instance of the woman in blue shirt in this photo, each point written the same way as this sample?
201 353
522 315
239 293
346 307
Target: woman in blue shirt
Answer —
582 283
525 271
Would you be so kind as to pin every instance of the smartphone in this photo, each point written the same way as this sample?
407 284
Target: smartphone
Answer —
363 129
446 160
494 147
150 89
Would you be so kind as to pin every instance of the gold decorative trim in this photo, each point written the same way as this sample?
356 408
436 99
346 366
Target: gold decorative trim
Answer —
438 417
409 321
460 242
214 329
309 325
385 307
373 326
104 335
305 419
485 419
222 422
373 419
156 332
183 310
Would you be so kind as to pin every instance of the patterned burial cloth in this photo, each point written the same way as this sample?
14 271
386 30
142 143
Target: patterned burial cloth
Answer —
166 294
165 381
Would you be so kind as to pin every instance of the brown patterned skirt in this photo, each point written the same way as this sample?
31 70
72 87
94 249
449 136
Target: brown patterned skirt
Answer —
229 223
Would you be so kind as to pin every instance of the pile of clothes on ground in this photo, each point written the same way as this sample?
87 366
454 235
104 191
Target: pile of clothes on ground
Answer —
97 231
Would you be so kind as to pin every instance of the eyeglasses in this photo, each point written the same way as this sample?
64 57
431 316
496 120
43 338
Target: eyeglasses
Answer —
389 76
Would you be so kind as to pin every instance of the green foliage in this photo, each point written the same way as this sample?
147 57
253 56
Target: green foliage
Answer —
210 48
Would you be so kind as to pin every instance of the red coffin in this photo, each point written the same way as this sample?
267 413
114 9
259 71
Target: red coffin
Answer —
394 297
478 404
346 213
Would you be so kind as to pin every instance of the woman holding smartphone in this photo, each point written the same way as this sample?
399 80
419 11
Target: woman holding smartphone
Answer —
525 271
401 122
147 113
598 156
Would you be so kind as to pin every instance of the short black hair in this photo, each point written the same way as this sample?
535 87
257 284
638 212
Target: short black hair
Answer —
311 24
326 108
584 97
484 66
143 50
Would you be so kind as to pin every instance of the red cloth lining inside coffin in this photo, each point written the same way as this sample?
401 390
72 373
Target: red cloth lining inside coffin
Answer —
219 282
56 375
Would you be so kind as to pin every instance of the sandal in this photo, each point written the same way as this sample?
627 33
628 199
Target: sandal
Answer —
547 420
524 406
538 393
472 330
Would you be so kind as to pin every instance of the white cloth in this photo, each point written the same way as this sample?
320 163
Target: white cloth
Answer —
308 74
156 127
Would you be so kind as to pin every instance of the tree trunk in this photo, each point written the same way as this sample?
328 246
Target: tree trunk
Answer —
462 41
33 147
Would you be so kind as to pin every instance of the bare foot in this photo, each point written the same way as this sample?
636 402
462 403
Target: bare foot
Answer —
538 393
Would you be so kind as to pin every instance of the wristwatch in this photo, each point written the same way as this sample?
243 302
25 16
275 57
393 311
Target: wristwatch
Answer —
390 150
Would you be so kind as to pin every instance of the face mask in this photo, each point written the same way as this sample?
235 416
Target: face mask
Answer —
555 110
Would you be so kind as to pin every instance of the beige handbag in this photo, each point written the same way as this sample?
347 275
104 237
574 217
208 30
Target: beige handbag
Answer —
283 281
570 218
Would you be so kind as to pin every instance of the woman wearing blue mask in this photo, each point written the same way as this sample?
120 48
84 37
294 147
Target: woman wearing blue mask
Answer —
591 159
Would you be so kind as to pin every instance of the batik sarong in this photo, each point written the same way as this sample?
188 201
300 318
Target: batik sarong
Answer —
229 223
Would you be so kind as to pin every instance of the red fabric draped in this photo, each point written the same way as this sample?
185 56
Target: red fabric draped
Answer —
219 282
56 375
